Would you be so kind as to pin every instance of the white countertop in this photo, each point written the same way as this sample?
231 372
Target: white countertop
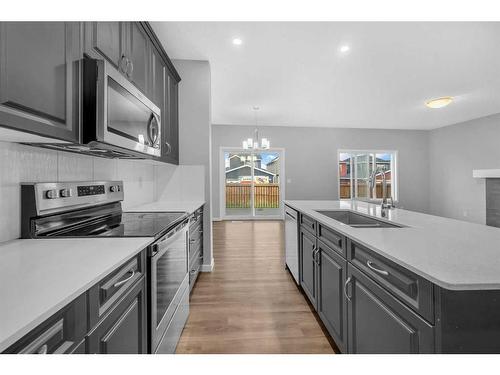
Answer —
453 254
163 206
39 277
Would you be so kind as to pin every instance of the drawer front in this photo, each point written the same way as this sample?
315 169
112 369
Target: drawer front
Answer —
60 334
410 288
333 239
195 245
308 223
194 268
195 231
109 290
291 212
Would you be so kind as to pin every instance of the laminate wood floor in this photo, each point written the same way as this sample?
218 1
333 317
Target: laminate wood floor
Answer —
250 303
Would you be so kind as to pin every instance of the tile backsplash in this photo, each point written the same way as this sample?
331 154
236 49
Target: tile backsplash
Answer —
143 181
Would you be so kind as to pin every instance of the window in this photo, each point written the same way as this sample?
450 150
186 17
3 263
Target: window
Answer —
357 168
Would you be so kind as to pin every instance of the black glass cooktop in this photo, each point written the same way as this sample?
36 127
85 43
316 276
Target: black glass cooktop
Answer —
117 224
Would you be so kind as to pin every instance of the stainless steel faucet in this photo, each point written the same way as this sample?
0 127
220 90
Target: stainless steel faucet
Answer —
385 205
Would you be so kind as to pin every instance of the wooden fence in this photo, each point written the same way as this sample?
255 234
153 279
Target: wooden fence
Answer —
345 190
239 196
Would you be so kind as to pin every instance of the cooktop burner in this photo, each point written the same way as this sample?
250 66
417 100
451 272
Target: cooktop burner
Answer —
124 224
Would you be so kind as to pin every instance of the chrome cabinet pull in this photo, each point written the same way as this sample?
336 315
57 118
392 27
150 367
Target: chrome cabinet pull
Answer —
378 270
169 148
43 349
123 64
119 283
345 288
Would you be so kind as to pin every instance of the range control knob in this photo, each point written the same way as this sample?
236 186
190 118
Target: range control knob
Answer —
115 188
52 194
65 193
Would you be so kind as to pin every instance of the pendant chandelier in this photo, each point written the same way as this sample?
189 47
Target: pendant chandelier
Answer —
256 143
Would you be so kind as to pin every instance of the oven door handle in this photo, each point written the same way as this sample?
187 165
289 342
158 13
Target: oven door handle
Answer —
157 252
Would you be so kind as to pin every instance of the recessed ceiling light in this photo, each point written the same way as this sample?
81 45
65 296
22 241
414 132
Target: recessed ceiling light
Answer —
439 102
237 42
345 48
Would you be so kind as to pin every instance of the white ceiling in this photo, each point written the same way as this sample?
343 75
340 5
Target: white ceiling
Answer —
296 74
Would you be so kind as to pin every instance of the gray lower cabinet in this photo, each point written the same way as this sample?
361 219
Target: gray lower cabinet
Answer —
379 323
331 304
109 318
124 329
39 81
307 264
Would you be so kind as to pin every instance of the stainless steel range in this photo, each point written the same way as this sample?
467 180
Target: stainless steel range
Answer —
93 209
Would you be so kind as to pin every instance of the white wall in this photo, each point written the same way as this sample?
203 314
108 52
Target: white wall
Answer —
194 135
20 163
454 151
311 158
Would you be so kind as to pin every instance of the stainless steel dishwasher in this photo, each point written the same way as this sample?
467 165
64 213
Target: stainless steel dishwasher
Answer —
291 242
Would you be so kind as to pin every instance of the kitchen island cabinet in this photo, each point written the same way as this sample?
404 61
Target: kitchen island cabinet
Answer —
384 290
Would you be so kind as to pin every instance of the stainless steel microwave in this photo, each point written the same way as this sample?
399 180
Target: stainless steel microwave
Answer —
116 116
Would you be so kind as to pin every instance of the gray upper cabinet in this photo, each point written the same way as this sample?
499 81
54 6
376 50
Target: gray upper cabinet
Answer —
308 264
171 141
39 81
137 50
379 323
331 304
125 45
107 39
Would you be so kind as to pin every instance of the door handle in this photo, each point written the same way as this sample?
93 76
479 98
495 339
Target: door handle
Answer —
345 289
378 270
120 283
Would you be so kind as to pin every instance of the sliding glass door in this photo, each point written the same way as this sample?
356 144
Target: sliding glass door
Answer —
251 184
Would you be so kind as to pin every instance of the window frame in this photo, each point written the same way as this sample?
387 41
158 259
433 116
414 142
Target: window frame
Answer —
353 178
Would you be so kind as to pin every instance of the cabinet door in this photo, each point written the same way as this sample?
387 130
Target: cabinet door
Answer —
171 128
379 323
106 39
123 330
39 90
137 51
308 265
332 306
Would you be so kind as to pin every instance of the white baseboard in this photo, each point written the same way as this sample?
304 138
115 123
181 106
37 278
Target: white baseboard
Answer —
208 267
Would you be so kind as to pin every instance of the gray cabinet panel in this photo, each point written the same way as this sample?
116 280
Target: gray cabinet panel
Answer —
107 39
332 305
171 139
124 329
138 48
39 77
308 265
379 323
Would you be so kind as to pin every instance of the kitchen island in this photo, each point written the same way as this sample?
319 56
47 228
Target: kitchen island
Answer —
424 284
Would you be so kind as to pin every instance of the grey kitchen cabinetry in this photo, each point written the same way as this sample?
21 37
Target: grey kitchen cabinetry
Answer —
307 264
195 245
171 130
62 333
110 317
39 81
107 39
125 45
331 304
380 323
124 329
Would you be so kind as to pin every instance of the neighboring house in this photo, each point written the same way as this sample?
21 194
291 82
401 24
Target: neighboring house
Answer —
240 170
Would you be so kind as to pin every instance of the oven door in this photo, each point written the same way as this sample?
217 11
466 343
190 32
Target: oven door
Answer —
127 118
169 270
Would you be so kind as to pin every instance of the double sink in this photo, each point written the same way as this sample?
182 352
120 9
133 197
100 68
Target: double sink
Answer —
356 220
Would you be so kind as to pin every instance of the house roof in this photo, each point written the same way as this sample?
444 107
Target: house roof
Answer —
247 166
